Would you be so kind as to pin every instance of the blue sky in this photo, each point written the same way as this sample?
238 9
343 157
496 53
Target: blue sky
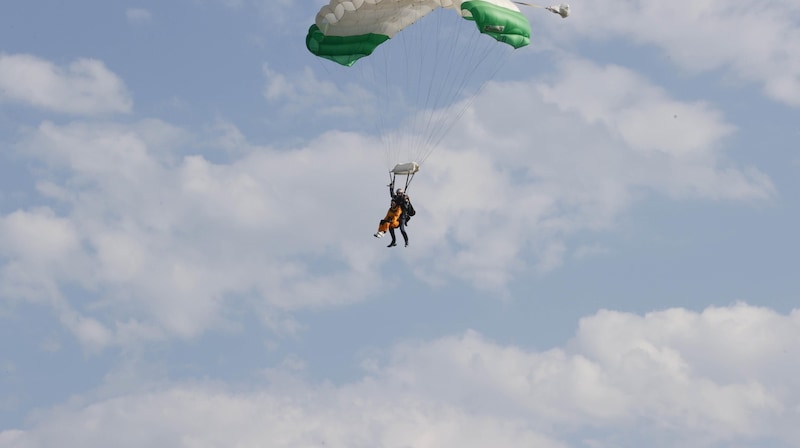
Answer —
605 251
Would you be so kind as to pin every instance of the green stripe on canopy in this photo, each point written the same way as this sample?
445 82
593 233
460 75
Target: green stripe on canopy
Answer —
345 50
505 25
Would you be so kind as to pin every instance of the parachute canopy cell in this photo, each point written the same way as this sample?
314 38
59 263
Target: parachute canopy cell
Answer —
348 30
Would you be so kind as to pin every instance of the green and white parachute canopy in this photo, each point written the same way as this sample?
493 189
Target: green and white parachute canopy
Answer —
347 30
436 70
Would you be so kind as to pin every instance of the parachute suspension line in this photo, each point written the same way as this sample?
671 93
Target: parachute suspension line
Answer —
467 105
378 120
376 78
408 79
475 49
412 111
483 57
409 178
365 72
449 78
419 82
383 97
428 94
388 138
438 65
398 83
417 37
465 55
425 101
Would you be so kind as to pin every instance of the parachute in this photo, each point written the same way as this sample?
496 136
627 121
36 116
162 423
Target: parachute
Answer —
424 80
347 30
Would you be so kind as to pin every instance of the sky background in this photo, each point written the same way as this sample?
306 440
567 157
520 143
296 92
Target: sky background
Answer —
605 252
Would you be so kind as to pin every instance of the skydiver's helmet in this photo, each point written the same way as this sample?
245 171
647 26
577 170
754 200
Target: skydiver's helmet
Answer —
399 191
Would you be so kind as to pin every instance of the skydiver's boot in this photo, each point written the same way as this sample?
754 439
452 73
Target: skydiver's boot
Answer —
379 234
392 244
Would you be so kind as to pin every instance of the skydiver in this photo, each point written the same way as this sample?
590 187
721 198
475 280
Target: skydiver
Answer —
404 202
392 220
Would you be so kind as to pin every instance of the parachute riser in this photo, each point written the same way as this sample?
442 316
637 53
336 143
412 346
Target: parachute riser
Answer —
404 169
409 178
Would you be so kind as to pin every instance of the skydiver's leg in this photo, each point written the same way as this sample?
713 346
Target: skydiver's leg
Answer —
394 240
383 226
403 230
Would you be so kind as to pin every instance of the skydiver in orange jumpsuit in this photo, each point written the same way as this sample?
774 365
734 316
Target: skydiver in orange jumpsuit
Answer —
390 222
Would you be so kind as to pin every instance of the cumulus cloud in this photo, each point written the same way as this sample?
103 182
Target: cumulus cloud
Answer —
175 241
687 139
169 243
567 153
641 114
138 15
319 97
37 246
661 371
37 235
84 87
667 378
751 42
543 159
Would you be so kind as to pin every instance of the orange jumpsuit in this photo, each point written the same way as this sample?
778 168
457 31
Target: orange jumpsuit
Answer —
392 219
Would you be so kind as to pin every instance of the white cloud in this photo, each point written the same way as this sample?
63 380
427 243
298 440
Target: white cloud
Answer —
174 242
751 41
84 87
678 146
641 114
323 98
540 161
668 373
171 244
44 250
38 236
200 416
138 15
39 249
662 379
88 331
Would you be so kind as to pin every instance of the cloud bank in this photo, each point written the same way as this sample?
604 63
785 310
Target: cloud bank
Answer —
751 42
719 377
170 234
